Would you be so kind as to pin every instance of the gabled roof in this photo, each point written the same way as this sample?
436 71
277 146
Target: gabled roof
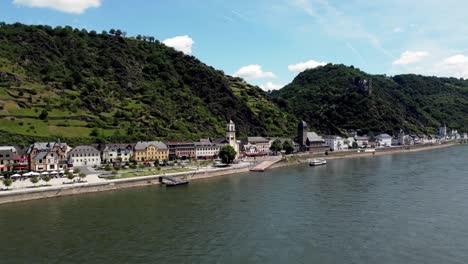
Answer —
383 136
85 149
44 154
362 138
257 140
144 145
332 137
8 148
312 136
41 146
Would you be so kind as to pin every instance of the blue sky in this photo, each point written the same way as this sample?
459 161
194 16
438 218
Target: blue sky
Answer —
269 42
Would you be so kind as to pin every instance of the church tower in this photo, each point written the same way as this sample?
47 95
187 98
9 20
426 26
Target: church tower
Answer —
302 130
231 136
443 130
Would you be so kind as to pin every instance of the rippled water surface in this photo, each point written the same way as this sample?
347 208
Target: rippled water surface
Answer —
406 208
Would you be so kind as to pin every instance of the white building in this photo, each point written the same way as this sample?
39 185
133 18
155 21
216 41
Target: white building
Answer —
335 143
383 140
362 141
116 153
206 149
260 144
84 156
443 131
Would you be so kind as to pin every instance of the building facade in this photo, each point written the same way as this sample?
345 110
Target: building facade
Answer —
443 131
206 149
258 146
335 143
52 162
151 151
383 140
8 154
84 156
47 161
181 150
117 153
362 141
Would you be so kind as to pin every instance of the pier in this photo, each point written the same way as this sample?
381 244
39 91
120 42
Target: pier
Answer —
265 165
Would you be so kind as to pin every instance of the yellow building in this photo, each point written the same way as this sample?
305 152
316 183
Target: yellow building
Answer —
151 151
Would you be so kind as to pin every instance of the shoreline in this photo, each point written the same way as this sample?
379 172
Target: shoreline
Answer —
119 184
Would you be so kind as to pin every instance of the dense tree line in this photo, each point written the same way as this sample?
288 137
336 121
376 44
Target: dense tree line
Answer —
335 98
136 85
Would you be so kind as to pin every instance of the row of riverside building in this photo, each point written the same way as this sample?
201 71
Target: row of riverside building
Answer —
57 156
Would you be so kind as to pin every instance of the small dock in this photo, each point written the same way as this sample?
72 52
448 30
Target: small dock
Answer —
170 181
265 165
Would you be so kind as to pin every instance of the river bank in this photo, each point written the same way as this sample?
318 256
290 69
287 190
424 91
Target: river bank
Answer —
300 159
112 185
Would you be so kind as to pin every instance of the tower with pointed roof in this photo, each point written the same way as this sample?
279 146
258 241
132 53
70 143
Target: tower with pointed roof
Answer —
231 136
443 130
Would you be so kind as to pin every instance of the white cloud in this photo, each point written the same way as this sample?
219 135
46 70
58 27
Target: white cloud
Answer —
397 30
253 71
67 6
302 66
269 86
409 57
180 43
456 65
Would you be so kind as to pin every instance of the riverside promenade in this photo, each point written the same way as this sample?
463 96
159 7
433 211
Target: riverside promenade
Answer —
23 191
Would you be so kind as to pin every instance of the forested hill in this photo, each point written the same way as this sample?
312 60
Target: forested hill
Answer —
83 86
334 98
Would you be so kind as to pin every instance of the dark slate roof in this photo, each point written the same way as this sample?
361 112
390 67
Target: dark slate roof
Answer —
85 149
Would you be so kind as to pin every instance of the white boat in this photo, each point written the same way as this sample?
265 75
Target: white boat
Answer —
317 162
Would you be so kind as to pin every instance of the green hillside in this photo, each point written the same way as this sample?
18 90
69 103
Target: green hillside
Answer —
334 98
83 86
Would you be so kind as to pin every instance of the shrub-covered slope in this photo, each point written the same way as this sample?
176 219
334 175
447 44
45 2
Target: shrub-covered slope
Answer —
334 98
75 84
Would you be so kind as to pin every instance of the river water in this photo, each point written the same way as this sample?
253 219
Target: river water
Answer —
403 208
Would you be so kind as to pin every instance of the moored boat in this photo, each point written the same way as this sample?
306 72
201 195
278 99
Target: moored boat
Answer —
317 162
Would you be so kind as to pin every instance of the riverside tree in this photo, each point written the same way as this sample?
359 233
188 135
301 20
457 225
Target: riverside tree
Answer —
82 176
34 180
227 154
70 175
7 183
288 147
276 146
46 179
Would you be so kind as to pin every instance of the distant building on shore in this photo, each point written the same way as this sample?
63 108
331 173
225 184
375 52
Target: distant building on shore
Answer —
383 140
336 143
117 153
362 141
7 158
181 150
150 151
206 149
443 131
310 141
48 156
84 156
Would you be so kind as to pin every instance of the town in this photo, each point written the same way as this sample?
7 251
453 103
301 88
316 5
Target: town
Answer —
45 160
